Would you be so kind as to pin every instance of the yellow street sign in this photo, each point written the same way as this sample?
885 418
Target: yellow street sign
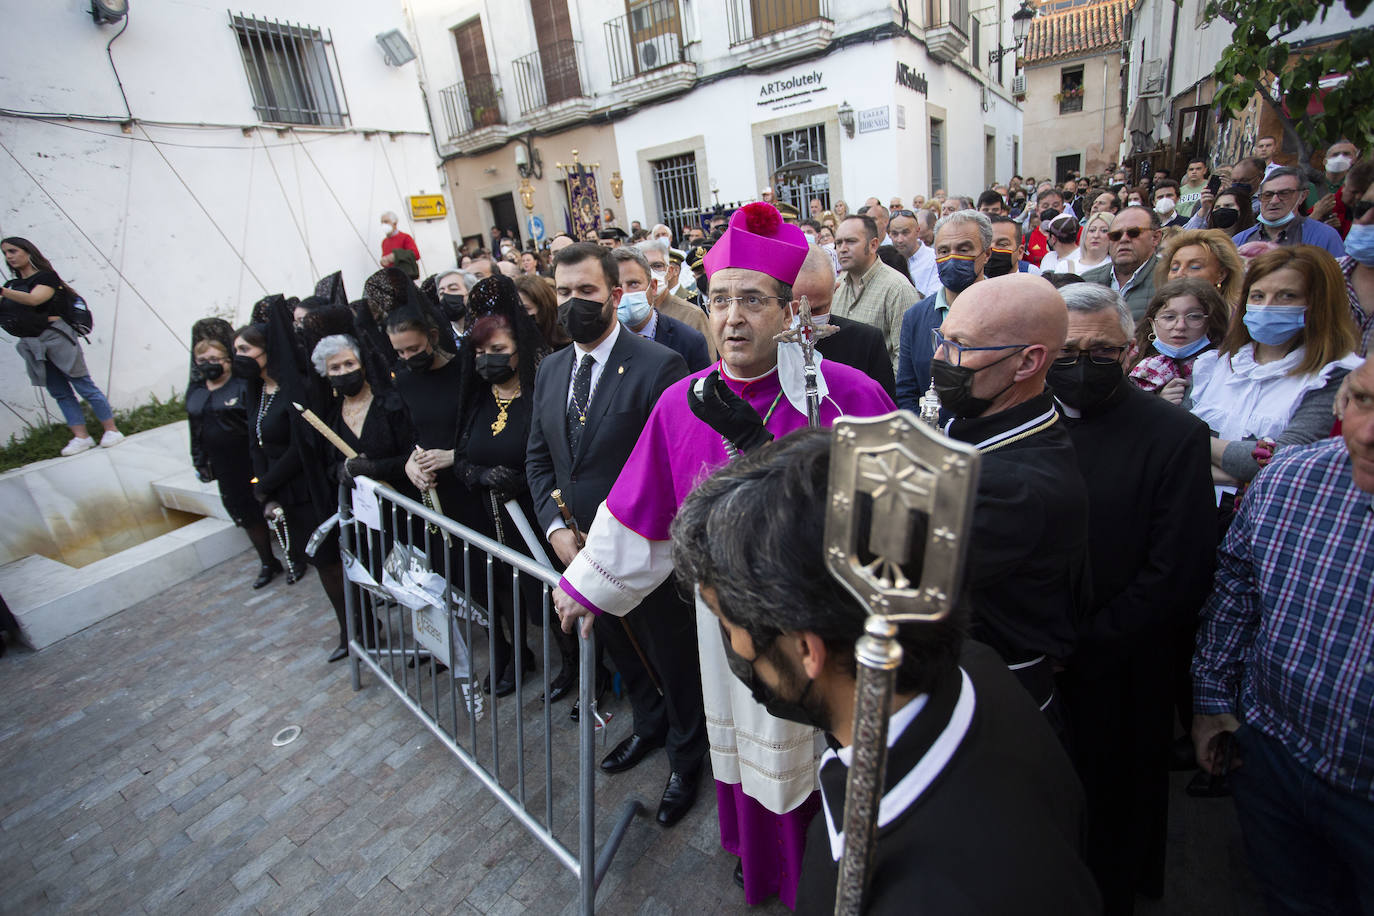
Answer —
428 206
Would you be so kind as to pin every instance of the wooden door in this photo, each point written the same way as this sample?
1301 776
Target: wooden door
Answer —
557 53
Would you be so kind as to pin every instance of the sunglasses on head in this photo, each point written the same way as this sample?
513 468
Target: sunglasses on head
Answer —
1131 233
907 213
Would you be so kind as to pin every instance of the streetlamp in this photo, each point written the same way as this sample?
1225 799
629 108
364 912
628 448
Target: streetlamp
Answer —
846 115
1020 27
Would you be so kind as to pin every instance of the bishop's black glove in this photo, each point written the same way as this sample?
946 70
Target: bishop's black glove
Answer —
505 483
727 413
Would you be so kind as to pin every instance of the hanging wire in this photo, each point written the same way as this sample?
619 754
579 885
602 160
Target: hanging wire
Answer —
94 246
204 210
286 199
330 188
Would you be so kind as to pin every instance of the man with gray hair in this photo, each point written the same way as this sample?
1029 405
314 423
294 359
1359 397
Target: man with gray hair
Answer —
1279 220
660 231
1146 465
869 290
658 255
963 242
396 240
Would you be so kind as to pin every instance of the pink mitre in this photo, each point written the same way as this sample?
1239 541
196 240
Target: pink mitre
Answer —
758 239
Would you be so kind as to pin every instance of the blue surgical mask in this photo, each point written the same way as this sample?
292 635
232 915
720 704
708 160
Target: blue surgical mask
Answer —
956 272
633 308
1359 244
1275 325
1276 223
1184 351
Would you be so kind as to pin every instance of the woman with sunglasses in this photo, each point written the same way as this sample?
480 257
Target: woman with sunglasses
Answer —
1186 317
1274 377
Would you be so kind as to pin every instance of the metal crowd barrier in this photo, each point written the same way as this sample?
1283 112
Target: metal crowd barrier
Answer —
416 611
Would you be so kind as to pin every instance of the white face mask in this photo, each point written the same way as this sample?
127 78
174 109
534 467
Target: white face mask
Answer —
389 228
1164 206
1340 162
659 276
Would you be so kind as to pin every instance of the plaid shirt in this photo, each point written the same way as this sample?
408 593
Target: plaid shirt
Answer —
883 298
1287 638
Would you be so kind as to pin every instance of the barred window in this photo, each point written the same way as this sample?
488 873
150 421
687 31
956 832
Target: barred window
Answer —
292 70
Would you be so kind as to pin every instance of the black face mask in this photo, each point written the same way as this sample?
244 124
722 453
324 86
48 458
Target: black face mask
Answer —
797 710
210 371
1048 214
954 385
584 319
999 264
455 306
419 362
348 384
245 367
1085 385
494 367
1225 217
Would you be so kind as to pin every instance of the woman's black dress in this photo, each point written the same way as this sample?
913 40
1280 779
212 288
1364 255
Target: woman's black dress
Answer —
219 446
280 473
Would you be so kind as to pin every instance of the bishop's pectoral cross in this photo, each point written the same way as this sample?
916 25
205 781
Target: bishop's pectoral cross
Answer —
808 334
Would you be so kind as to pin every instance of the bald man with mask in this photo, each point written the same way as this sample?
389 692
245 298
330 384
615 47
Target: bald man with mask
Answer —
856 344
1027 582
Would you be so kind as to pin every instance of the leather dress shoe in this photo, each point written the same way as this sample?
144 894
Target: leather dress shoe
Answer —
267 573
739 873
678 796
602 685
628 753
295 573
562 685
338 654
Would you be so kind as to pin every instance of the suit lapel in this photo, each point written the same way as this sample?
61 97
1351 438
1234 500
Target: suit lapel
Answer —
558 406
615 369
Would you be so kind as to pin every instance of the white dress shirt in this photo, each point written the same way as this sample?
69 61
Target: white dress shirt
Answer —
921 268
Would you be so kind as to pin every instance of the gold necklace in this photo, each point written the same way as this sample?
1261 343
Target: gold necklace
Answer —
501 405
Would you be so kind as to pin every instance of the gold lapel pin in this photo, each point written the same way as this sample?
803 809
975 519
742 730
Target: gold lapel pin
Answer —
621 370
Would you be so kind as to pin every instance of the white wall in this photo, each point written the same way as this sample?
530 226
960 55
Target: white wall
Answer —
199 220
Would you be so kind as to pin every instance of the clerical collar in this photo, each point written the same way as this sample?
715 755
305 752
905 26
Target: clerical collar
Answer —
1002 428
725 371
922 738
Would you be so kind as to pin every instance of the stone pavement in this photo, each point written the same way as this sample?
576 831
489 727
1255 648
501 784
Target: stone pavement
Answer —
140 776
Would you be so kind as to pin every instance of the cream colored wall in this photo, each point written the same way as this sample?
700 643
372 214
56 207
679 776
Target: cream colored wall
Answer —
473 179
1094 133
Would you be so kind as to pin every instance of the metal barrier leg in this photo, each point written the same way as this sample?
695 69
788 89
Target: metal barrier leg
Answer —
350 590
586 755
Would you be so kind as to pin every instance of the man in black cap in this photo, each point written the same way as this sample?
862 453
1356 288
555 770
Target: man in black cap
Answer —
610 237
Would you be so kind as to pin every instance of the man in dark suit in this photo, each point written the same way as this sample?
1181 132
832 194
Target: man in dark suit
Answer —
859 345
591 401
637 312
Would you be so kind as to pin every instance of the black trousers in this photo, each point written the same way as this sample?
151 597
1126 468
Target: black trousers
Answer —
665 626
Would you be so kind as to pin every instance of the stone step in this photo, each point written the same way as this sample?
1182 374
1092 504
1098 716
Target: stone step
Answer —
185 493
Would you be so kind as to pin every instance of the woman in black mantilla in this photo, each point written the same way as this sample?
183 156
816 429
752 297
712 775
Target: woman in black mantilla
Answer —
217 409
498 363
291 482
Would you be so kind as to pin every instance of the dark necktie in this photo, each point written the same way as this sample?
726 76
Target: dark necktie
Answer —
577 407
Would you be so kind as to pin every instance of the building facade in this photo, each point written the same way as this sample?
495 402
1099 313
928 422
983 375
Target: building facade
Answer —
1072 63
686 104
207 159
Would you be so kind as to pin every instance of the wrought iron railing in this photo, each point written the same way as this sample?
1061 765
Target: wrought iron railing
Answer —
750 19
645 39
471 105
548 76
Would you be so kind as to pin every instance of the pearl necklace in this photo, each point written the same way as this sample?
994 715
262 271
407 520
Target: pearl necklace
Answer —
263 406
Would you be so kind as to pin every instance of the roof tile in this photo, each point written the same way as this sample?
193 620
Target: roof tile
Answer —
1075 32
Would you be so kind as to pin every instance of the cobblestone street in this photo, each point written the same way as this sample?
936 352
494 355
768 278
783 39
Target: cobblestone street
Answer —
141 776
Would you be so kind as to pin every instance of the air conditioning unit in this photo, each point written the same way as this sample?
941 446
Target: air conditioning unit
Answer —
1018 84
658 51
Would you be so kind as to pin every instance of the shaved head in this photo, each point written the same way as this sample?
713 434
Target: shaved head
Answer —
1014 310
815 280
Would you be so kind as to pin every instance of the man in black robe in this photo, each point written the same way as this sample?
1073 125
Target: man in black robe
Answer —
1146 465
1027 577
981 812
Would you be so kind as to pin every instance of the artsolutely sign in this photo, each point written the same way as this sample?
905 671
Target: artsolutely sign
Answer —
792 90
912 80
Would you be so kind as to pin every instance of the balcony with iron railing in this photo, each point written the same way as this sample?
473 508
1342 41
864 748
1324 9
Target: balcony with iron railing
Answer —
765 32
551 85
474 115
947 29
645 48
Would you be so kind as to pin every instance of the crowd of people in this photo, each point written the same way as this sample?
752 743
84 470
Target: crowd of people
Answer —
1169 565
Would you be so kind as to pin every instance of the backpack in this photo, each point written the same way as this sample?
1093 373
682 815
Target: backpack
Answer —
75 311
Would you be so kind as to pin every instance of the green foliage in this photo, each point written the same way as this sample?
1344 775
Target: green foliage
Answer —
1260 60
40 442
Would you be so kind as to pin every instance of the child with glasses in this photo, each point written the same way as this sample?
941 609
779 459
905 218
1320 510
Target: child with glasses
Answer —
1186 317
